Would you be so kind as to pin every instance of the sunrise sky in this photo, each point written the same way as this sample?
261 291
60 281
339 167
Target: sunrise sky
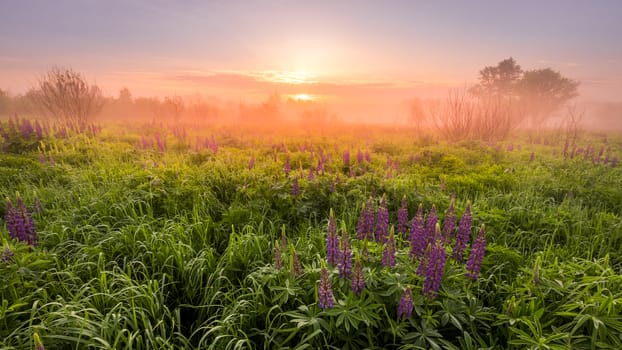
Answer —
339 51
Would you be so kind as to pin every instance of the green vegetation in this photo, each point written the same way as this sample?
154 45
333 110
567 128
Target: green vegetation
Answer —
164 237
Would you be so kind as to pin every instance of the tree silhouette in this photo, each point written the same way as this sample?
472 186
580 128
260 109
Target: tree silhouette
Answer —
543 91
499 80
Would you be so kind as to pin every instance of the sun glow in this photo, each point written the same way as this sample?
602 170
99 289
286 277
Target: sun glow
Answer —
303 98
292 77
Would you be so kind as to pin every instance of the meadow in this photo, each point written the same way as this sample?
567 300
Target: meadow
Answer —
339 236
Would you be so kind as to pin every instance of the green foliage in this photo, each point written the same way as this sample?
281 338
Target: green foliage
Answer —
142 249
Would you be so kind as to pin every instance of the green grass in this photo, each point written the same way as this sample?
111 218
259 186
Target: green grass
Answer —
140 249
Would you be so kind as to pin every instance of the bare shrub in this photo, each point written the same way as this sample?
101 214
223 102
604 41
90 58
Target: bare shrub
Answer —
66 95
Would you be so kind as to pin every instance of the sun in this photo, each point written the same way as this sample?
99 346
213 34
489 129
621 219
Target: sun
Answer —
303 98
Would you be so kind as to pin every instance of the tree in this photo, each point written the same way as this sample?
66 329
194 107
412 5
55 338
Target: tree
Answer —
543 91
66 95
498 81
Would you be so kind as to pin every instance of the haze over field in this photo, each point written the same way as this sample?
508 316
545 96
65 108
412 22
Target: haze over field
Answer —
359 60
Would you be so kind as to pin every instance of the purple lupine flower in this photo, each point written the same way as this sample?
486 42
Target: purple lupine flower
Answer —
449 225
278 257
405 308
295 187
425 261
332 241
388 254
287 167
251 162
346 158
345 256
296 268
365 224
325 292
441 185
358 279
436 268
161 143
359 157
311 175
464 232
367 157
402 217
476 257
430 225
382 221
614 161
19 222
41 158
417 235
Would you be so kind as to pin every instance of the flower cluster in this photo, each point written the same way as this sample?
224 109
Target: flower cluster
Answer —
405 307
19 222
476 257
345 256
325 292
402 217
365 225
332 241
464 232
388 254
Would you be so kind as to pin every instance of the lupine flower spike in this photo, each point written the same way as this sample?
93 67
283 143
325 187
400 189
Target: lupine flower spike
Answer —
296 267
449 225
332 241
431 224
388 255
38 343
345 256
325 293
476 257
436 268
278 256
464 232
417 235
358 279
402 217
405 308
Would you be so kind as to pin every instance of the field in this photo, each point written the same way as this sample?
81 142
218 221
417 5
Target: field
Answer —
243 237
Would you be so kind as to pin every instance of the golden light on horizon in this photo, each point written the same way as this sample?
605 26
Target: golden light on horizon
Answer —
303 98
292 77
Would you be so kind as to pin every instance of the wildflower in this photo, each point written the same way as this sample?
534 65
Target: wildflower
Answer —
37 207
614 161
436 268
441 185
450 222
326 292
382 221
345 256
41 158
332 241
405 308
388 255
425 261
417 235
358 280
296 265
346 158
278 257
477 254
431 224
464 232
295 187
311 175
359 157
283 238
402 217
365 225
287 167
367 157
19 222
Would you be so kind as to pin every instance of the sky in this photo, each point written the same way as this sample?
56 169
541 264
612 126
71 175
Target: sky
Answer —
340 52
